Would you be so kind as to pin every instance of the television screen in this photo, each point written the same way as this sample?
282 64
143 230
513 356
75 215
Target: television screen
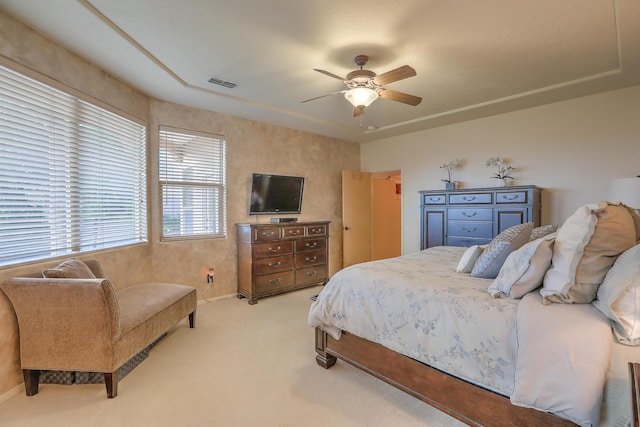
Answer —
275 194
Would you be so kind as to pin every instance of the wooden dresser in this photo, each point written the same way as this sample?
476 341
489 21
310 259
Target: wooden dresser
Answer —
474 216
277 258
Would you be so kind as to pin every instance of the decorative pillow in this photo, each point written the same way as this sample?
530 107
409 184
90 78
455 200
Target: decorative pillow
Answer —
72 268
619 296
542 231
524 269
586 247
469 258
492 258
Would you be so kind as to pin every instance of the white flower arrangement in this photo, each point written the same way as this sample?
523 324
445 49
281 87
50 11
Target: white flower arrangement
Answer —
449 166
504 169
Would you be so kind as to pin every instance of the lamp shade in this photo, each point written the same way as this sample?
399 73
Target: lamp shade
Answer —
361 96
625 190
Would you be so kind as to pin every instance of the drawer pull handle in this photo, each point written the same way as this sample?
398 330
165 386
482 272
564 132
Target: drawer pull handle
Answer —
268 233
311 245
294 232
512 197
469 198
316 230
434 199
311 273
311 259
275 265
275 281
274 250
469 230
470 215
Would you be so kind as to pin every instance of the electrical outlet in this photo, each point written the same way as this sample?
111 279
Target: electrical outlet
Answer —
210 276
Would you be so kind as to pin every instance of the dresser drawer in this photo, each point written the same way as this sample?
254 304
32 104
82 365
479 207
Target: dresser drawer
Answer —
512 197
274 282
273 265
310 245
470 214
307 259
470 229
265 234
289 232
281 247
435 199
470 198
466 241
317 230
311 275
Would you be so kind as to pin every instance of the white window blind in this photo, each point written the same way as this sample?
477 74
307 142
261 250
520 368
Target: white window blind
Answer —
192 177
72 175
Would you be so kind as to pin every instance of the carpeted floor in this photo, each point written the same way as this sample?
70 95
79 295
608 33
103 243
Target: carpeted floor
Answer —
241 366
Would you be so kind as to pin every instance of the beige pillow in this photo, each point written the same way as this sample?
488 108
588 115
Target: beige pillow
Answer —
469 258
72 268
586 247
524 269
619 296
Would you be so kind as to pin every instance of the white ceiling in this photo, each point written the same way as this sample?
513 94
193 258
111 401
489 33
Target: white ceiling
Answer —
473 58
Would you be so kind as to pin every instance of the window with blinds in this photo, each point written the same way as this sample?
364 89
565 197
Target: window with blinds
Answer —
192 180
72 175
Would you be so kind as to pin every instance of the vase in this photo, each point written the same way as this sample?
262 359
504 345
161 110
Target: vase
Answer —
502 182
450 185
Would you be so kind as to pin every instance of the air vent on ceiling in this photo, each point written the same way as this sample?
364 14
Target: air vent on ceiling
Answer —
219 82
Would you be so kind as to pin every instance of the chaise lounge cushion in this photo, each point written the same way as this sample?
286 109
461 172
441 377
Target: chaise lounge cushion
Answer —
72 268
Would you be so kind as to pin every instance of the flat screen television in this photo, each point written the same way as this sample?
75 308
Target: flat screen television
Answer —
275 194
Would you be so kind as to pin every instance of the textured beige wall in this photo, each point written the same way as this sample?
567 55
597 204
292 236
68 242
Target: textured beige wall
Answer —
252 147
572 149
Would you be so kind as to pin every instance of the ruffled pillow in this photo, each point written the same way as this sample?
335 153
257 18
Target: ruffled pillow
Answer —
586 247
491 259
469 258
524 269
619 296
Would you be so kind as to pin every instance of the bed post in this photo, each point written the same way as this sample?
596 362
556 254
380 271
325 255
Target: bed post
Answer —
323 358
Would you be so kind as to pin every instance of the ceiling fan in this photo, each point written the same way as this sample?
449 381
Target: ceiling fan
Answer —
364 86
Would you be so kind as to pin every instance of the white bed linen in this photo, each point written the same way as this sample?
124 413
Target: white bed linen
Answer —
417 302
419 306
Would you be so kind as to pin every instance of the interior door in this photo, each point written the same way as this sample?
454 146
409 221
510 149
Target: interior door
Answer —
356 217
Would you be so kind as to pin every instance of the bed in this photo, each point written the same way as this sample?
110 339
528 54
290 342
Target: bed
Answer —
484 357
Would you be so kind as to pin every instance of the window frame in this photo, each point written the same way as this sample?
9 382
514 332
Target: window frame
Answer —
219 187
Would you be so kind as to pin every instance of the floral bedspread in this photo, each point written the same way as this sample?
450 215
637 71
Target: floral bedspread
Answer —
419 306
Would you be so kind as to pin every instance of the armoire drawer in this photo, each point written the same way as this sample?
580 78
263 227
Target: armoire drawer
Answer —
470 214
470 229
311 275
307 259
310 245
264 250
274 282
273 265
470 198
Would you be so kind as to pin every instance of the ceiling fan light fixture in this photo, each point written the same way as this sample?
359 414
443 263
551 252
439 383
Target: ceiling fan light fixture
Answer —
361 96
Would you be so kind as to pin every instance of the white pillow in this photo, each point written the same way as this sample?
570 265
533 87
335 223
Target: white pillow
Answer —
469 258
619 296
524 269
491 259
586 247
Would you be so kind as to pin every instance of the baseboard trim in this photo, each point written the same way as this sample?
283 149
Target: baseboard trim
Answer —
13 392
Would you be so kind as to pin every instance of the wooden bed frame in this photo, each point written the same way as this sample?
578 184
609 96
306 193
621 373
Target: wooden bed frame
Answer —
462 400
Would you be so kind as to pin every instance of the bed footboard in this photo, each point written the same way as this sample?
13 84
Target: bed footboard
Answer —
464 401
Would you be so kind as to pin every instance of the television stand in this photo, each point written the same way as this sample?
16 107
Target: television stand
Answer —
278 258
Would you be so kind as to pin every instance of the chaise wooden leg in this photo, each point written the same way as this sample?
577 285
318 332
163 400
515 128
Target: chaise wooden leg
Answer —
192 319
31 381
111 382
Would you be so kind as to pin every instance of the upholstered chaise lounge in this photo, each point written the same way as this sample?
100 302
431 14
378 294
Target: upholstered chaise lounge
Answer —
83 324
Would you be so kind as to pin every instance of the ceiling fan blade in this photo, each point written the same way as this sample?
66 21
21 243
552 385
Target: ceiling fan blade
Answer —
394 75
394 95
357 111
322 96
329 74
